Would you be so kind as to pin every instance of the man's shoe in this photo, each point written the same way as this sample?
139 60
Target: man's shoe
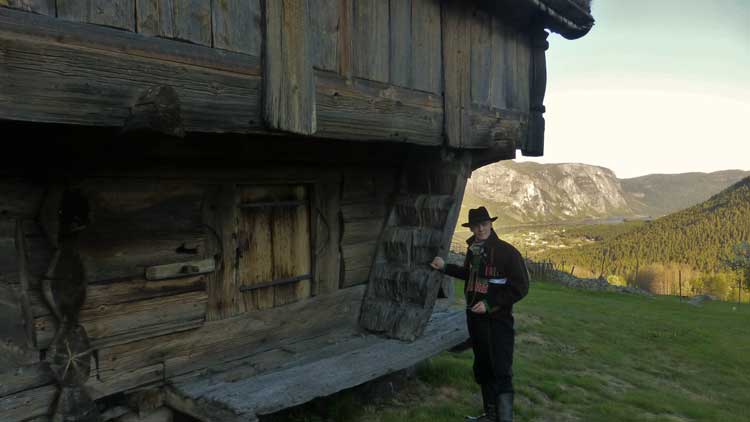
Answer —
484 417
505 407
490 407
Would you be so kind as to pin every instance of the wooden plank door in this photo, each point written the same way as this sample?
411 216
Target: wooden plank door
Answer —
274 265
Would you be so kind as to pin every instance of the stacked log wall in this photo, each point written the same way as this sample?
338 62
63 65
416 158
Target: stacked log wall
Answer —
417 71
147 319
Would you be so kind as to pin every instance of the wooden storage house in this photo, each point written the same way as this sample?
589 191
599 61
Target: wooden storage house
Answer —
227 207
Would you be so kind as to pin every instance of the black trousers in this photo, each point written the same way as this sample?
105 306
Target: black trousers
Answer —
492 340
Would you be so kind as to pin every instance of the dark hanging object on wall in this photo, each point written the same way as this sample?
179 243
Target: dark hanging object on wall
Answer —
65 213
69 358
157 110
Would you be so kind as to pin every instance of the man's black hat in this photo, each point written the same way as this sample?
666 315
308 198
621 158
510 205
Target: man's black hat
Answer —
478 215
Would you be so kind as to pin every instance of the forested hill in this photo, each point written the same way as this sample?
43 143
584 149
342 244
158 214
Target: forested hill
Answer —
698 236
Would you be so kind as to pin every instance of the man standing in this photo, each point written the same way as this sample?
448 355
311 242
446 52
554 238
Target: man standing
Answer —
496 278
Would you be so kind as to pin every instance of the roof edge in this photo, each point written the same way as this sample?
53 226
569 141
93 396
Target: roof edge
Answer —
565 17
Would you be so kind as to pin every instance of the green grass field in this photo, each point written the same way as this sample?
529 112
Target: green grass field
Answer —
590 356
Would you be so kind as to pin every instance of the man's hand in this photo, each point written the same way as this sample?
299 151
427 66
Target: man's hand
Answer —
437 263
479 308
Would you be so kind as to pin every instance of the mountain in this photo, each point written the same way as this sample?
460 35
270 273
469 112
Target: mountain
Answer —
697 236
661 194
529 192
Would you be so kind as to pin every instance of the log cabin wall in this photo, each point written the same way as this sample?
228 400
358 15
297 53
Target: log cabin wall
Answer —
426 72
169 251
176 225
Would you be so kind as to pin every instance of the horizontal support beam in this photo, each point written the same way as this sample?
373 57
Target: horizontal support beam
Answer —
52 75
351 363
79 74
373 111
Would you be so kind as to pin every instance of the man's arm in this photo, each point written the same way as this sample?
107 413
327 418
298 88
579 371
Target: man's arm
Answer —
452 270
504 293
461 272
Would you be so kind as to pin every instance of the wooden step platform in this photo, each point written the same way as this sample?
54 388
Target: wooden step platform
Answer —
345 362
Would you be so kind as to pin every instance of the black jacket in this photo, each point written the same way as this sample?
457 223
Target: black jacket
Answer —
502 261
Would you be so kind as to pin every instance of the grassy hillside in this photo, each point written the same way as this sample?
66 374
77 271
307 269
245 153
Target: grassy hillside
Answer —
698 236
589 356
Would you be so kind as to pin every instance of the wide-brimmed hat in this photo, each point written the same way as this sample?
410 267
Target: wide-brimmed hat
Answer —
478 215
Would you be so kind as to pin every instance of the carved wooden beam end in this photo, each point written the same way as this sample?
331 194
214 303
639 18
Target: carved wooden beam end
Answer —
534 145
501 147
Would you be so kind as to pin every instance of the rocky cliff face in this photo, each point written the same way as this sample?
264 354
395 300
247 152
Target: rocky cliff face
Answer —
547 192
531 192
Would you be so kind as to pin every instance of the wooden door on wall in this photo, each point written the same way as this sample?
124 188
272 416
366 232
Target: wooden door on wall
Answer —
273 245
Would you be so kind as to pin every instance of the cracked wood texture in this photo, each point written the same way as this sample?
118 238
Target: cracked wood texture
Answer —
289 93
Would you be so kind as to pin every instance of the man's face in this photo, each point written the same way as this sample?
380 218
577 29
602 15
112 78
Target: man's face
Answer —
482 230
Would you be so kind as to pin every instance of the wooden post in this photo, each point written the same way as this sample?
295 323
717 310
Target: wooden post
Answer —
680 275
534 145
23 275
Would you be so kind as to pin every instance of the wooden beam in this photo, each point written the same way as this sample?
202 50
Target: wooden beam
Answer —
325 32
289 94
27 404
427 44
105 384
112 13
61 72
236 337
401 50
203 410
490 124
180 269
23 275
221 214
326 234
155 18
25 378
108 257
192 21
162 414
372 111
125 322
457 72
236 26
271 392
370 20
42 7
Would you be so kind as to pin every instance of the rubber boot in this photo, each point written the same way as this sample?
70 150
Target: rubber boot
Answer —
505 407
490 407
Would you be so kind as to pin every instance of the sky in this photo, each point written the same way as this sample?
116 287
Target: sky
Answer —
657 86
